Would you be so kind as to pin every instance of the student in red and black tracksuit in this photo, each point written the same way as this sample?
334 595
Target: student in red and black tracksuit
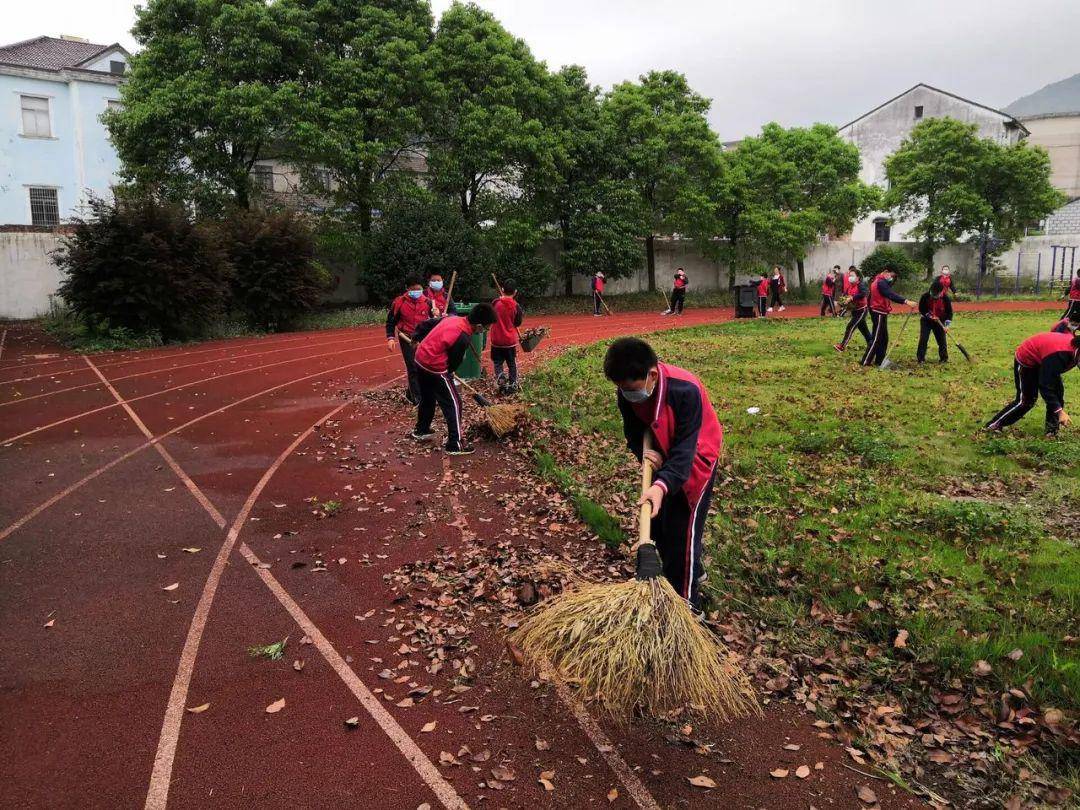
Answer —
673 406
597 292
882 298
407 312
678 292
1040 362
935 311
855 289
762 294
437 295
1073 307
946 280
504 337
828 292
777 288
442 347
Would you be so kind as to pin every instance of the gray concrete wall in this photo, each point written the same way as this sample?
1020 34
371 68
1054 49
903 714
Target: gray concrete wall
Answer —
27 275
1065 220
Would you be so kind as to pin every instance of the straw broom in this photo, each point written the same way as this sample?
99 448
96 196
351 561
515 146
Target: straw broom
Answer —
636 646
500 418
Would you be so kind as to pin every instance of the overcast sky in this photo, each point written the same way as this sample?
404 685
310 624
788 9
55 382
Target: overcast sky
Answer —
758 60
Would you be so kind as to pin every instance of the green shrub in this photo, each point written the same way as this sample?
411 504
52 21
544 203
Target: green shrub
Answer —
275 276
144 266
420 233
889 256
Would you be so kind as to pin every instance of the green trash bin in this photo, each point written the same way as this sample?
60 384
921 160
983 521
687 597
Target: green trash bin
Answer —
470 367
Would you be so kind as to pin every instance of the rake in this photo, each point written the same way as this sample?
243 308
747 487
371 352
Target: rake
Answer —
959 346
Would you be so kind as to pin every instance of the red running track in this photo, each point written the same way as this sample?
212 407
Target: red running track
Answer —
113 466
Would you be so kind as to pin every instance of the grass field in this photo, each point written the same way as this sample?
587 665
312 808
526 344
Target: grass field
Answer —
871 495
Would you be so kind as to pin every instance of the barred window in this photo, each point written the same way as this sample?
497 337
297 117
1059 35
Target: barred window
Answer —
117 68
263 177
44 207
35 117
323 179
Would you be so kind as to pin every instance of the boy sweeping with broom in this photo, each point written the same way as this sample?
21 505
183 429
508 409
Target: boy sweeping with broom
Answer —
673 406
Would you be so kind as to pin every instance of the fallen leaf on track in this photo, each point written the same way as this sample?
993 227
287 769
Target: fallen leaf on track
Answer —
172 587
779 773
612 795
352 722
198 709
701 781
298 664
545 780
428 727
866 795
803 771
192 550
276 706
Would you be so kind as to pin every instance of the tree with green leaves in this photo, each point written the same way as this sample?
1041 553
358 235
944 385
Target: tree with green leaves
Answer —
958 184
212 86
361 106
599 218
484 123
776 194
663 146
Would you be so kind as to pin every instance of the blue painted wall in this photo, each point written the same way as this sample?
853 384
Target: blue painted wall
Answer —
76 159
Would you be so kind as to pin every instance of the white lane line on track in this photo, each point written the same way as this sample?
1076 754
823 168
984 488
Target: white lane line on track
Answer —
170 369
192 487
204 381
3 340
635 788
37 510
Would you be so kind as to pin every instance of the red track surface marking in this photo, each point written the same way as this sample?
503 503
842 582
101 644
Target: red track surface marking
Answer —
7 531
158 793
417 758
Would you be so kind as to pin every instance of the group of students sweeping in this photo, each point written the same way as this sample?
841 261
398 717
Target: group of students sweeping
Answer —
433 340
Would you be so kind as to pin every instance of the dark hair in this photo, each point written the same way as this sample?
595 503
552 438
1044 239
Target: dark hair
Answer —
855 270
629 358
482 315
888 268
432 275
936 287
853 267
836 267
509 287
413 281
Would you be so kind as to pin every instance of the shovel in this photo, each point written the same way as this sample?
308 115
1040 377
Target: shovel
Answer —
886 362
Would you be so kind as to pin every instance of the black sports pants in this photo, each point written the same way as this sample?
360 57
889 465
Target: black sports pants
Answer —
926 326
412 385
1027 394
439 389
678 532
878 346
856 321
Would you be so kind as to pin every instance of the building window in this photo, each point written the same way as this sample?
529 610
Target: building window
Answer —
881 229
116 67
263 177
918 111
115 104
35 117
44 208
322 179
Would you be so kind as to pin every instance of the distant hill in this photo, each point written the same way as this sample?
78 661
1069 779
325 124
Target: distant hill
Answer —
1059 98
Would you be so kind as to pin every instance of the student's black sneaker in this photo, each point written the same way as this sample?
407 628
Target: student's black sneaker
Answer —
464 450
422 435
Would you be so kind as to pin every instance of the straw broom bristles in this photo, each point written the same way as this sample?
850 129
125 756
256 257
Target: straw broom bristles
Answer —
636 646
503 418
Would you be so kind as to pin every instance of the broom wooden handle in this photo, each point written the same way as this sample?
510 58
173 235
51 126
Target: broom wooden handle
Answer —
498 286
645 515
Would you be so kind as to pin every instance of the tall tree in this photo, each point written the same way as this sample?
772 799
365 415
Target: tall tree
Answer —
485 123
957 184
599 218
211 87
362 96
663 145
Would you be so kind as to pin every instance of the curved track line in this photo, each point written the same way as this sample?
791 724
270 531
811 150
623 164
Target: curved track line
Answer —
157 795
37 510
174 368
204 381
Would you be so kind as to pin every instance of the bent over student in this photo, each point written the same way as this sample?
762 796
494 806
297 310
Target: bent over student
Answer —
935 315
672 405
1038 366
443 343
1073 306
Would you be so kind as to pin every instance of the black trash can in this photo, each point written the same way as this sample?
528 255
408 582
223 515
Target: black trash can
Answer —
746 301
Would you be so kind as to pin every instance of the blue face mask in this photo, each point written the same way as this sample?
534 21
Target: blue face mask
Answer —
415 294
637 395
436 285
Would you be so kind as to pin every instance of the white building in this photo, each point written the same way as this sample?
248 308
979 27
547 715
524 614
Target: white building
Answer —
54 149
880 132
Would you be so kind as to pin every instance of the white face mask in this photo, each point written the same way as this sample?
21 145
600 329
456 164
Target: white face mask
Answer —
852 278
